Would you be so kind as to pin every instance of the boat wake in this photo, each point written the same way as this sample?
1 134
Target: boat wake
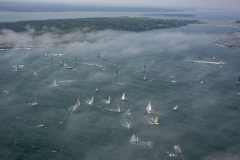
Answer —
207 62
90 64
127 119
66 81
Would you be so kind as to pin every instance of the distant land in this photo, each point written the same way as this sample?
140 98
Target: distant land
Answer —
172 15
230 40
60 27
51 7
238 21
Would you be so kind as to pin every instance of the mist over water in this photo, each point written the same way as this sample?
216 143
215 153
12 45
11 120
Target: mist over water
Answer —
206 92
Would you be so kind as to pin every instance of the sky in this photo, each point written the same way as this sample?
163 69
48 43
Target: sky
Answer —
151 3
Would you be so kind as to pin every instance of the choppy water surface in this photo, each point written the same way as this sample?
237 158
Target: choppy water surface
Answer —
205 91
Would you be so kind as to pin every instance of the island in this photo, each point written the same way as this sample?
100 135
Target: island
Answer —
172 15
232 39
60 27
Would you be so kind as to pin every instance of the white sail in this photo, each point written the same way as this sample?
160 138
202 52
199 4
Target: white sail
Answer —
109 100
133 139
74 107
90 101
36 72
144 78
55 83
177 148
176 107
173 81
97 89
149 107
78 102
34 103
123 97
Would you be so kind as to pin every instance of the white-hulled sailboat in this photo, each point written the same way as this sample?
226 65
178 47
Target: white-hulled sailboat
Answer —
55 83
116 73
134 139
118 110
176 107
108 101
144 67
90 101
156 121
145 76
149 107
238 81
177 148
123 97
173 79
35 73
97 89
34 103
74 107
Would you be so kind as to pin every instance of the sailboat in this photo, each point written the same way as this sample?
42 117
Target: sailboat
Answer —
174 81
98 54
74 68
62 62
144 67
108 101
103 68
34 103
51 61
123 97
156 121
238 81
97 89
118 110
74 107
149 107
36 72
176 107
16 68
134 139
55 83
116 73
90 101
144 78
214 56
201 56
177 148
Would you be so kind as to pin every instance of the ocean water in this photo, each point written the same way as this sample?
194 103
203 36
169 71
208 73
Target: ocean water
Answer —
206 93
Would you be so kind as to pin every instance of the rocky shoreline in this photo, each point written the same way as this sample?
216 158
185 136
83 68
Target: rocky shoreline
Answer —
230 40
